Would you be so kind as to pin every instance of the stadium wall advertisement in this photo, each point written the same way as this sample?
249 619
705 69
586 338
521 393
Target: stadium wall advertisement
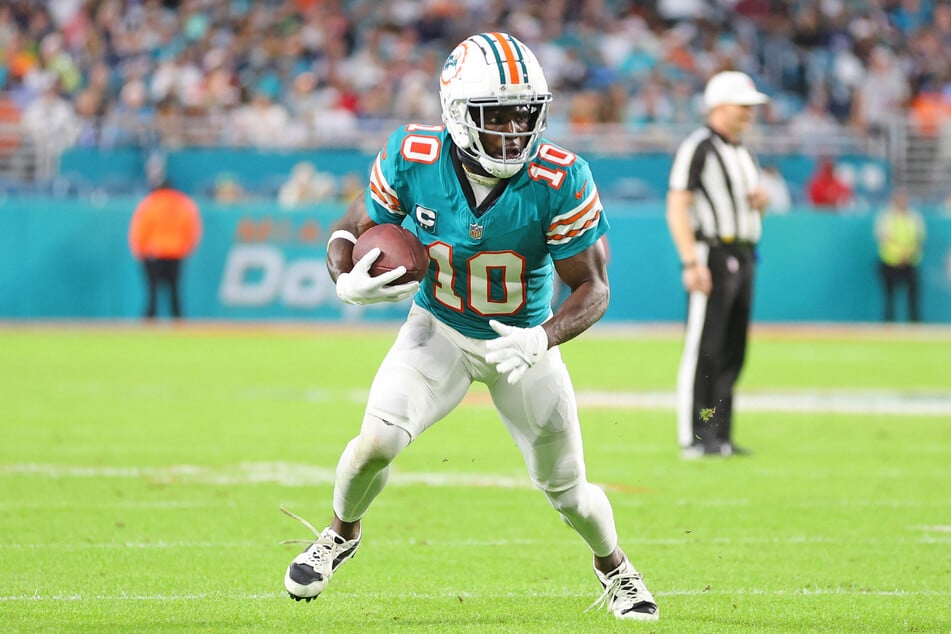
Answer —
71 260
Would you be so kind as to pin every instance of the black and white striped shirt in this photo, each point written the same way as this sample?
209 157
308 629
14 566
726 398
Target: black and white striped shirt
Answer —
720 175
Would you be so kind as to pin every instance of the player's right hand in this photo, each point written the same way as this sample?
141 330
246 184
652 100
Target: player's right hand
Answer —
358 287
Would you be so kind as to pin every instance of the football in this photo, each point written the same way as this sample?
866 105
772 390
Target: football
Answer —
398 247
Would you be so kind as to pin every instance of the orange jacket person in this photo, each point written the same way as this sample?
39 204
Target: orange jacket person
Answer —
165 229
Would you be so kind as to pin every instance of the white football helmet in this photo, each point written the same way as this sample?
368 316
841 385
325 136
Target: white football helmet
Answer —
492 70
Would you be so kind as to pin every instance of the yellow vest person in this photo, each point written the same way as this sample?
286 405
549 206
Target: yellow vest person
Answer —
900 233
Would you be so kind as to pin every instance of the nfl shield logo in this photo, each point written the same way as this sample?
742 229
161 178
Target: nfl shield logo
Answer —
475 232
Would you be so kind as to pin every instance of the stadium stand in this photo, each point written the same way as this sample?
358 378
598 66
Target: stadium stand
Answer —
846 78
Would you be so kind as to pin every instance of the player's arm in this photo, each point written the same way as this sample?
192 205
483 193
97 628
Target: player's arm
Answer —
517 349
355 221
353 281
696 276
586 274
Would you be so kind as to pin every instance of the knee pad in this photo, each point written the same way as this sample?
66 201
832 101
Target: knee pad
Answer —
379 441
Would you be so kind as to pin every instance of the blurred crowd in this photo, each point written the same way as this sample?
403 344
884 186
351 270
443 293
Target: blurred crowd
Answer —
286 72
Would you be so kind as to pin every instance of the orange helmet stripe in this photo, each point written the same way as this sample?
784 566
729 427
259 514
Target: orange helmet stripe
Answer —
508 56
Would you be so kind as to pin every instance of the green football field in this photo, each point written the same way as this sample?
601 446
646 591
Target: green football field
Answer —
142 471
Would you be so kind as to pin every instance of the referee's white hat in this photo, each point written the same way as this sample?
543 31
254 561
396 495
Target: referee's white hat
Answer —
732 87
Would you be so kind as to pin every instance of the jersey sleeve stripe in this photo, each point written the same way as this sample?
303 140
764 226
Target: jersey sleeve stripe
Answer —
563 238
380 200
591 206
381 191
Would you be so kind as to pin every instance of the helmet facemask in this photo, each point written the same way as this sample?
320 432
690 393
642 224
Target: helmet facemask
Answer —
495 128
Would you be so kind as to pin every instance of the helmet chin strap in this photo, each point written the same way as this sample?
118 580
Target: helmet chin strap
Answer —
471 163
507 171
474 165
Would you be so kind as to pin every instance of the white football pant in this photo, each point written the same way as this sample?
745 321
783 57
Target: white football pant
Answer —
425 375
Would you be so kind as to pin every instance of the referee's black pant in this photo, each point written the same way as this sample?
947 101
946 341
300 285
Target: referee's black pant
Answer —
715 345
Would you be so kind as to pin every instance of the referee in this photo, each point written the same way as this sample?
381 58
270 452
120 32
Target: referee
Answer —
714 210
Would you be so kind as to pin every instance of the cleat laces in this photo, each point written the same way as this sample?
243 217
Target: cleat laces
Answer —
624 586
320 549
300 519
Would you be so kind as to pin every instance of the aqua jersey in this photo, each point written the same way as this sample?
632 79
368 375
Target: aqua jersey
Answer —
497 265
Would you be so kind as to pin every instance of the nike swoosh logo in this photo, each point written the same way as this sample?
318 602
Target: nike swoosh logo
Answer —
580 192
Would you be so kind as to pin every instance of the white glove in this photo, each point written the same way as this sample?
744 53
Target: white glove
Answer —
516 349
357 287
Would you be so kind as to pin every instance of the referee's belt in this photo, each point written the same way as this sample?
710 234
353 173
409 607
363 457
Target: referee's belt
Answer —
717 241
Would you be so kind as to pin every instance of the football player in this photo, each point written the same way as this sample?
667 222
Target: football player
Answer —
501 210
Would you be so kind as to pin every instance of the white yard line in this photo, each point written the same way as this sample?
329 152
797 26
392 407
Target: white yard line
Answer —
283 473
105 506
300 475
809 401
859 401
802 402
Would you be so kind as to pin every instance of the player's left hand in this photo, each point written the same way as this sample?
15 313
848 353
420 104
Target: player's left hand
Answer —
516 349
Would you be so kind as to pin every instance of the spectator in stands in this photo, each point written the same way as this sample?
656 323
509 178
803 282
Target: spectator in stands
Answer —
261 122
882 93
105 83
414 99
584 111
651 106
51 125
18 57
337 121
827 191
303 101
9 125
131 122
89 122
351 185
814 127
306 186
171 125
900 234
55 59
228 189
199 58
773 183
165 230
